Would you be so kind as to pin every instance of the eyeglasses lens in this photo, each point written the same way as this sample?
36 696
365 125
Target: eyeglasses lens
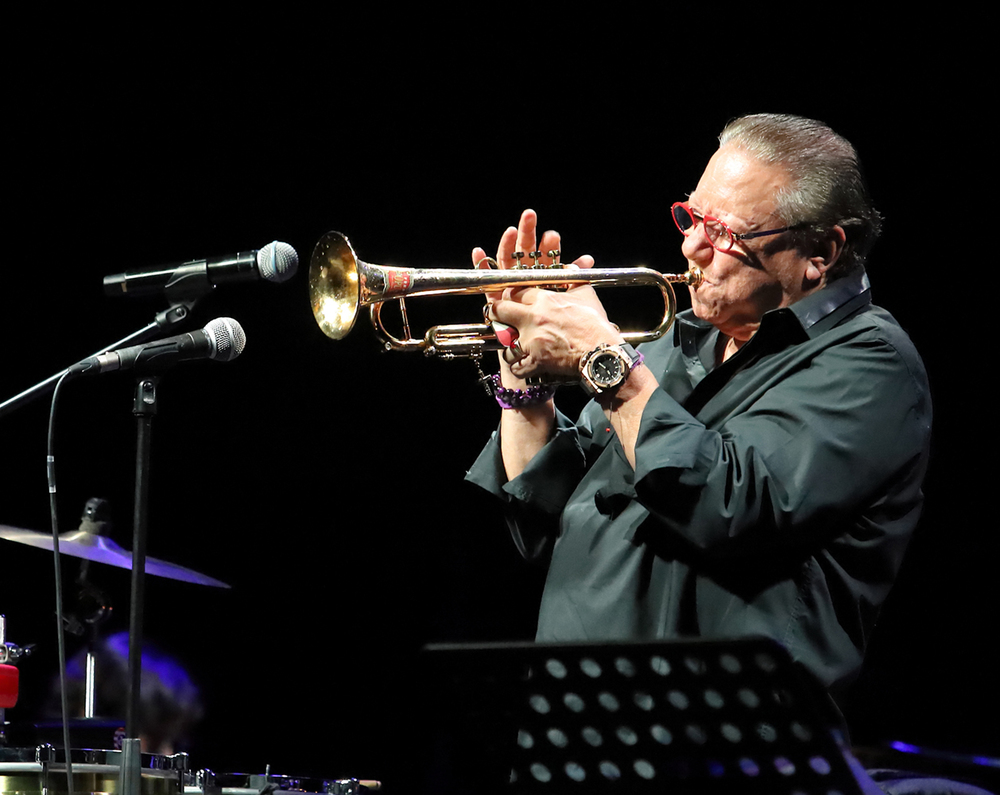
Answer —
716 232
683 218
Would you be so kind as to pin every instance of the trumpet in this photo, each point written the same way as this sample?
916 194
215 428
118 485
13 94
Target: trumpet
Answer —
340 284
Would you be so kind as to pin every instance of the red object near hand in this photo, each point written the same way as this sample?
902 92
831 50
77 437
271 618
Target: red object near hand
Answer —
8 686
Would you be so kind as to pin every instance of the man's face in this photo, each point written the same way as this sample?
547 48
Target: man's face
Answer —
743 283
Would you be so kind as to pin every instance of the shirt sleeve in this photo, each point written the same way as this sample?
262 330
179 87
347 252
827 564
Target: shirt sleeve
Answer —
534 499
802 456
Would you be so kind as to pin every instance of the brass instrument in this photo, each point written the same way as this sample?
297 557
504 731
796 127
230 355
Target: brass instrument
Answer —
340 283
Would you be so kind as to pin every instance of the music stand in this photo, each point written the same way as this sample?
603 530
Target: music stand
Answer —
704 716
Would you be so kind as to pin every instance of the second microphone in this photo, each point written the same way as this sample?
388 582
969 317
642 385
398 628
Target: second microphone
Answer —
223 339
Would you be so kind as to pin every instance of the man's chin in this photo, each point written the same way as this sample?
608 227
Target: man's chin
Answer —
701 311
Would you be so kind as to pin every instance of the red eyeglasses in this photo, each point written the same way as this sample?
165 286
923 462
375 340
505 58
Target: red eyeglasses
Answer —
718 233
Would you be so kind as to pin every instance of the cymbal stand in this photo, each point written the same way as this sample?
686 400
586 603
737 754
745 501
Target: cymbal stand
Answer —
93 609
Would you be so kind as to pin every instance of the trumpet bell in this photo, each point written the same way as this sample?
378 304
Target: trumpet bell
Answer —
334 285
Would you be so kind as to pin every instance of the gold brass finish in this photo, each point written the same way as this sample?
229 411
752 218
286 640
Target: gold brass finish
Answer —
340 283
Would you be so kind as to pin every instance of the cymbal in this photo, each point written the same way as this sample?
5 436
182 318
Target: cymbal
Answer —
101 549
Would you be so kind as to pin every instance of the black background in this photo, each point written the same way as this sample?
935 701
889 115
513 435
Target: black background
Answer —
323 480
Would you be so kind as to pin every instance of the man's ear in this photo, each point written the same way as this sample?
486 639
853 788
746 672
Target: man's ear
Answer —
826 252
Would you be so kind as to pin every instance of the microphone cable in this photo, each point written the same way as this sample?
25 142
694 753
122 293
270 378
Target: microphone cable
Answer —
50 466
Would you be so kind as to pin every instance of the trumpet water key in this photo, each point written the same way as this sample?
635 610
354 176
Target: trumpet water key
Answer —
340 284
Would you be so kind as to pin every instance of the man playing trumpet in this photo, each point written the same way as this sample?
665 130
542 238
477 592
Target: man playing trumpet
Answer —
757 470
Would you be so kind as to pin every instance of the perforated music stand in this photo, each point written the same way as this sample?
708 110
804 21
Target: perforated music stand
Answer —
704 717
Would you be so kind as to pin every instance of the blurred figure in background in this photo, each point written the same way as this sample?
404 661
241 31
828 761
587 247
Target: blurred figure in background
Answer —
170 703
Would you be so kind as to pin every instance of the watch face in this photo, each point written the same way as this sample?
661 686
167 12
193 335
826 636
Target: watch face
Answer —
606 369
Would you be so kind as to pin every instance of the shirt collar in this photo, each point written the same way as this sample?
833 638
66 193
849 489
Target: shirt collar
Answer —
814 314
834 301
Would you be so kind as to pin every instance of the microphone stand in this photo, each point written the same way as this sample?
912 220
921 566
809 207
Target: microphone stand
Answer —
144 409
166 319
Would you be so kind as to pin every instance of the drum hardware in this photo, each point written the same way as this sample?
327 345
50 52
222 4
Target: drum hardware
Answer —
41 770
93 606
9 682
206 782
95 610
89 545
10 653
340 284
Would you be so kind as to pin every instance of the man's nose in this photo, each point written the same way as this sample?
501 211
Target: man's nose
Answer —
696 246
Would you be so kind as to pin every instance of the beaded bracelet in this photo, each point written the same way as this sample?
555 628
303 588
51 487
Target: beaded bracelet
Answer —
520 398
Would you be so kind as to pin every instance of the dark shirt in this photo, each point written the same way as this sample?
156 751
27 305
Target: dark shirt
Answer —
773 494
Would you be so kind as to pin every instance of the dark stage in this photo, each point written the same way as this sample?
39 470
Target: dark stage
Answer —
324 480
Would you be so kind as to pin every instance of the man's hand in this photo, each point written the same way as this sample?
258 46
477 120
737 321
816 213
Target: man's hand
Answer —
554 329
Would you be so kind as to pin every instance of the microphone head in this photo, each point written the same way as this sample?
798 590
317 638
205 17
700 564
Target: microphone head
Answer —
227 337
277 262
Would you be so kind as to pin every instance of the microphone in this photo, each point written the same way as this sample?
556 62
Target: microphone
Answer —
222 339
276 262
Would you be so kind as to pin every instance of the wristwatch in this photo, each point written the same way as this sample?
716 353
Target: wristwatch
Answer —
606 367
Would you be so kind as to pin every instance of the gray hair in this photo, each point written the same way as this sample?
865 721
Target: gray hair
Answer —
828 186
